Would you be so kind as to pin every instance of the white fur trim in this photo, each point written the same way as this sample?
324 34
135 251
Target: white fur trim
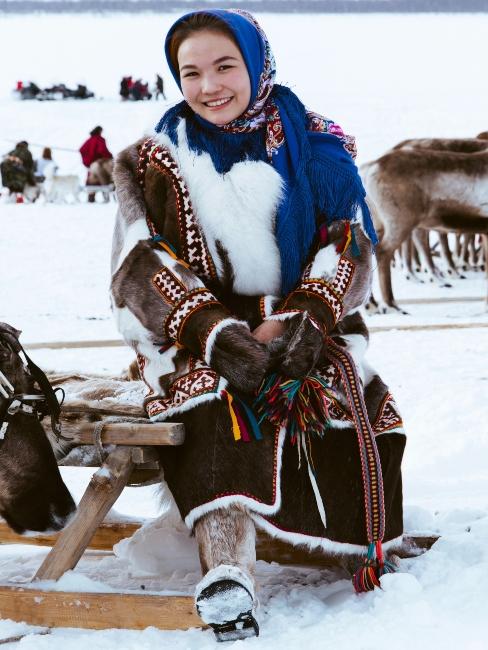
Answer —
225 572
269 303
132 235
327 545
218 327
357 345
251 504
340 424
325 263
284 315
189 279
237 209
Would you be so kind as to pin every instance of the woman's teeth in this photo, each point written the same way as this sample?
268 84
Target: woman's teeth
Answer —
218 102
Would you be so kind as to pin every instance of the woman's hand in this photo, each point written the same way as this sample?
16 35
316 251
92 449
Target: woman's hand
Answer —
239 357
298 351
269 330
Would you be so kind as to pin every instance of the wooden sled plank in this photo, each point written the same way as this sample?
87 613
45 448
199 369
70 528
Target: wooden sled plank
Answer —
106 536
110 533
126 433
97 611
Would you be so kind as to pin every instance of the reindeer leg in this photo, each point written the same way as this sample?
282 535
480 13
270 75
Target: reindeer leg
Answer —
384 271
464 252
447 255
225 596
421 240
407 257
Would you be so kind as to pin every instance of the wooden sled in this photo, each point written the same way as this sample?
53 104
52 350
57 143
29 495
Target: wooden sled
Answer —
132 459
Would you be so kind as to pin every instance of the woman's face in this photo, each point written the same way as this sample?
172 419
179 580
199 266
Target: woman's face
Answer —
214 77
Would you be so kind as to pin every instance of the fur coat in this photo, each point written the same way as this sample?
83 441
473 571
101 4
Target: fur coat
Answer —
195 266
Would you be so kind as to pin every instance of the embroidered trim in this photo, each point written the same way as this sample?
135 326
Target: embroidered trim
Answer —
169 286
194 248
368 451
322 290
192 302
388 416
185 388
343 277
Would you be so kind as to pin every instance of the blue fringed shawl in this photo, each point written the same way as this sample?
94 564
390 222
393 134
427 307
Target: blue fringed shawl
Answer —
320 178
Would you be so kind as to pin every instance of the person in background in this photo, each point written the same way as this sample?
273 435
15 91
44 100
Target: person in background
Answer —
159 87
93 149
42 163
17 168
124 88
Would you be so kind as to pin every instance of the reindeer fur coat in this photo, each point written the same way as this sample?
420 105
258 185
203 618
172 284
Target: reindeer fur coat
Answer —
195 266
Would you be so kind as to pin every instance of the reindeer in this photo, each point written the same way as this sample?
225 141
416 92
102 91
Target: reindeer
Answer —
33 496
430 184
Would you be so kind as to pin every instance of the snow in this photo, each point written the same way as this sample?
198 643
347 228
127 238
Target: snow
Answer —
384 78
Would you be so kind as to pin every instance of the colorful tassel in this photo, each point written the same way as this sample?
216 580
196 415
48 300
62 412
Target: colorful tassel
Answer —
354 245
235 425
300 405
250 418
368 576
242 419
169 249
343 245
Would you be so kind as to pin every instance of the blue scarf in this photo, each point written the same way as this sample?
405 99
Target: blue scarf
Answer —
312 154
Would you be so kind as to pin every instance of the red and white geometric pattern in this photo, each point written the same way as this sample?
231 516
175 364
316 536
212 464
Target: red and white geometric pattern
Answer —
342 280
169 286
193 384
192 301
194 247
325 292
388 417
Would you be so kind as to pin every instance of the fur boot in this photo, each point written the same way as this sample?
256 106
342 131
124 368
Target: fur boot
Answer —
225 598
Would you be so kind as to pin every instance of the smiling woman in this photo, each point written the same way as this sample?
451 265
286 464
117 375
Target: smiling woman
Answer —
213 76
217 89
241 254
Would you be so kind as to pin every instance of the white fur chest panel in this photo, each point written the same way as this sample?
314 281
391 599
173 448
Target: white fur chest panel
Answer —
237 210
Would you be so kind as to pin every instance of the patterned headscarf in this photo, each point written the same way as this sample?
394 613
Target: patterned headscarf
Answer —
311 153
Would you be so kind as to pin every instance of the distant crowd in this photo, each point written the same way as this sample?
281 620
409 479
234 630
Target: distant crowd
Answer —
130 89
139 90
24 178
31 90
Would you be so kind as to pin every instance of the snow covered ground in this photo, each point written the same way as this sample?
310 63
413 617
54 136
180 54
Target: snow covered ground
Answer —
384 78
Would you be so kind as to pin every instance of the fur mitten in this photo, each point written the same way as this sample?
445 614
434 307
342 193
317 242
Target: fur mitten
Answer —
296 353
238 357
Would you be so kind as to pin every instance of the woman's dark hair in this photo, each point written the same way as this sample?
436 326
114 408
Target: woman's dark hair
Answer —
196 23
46 153
96 131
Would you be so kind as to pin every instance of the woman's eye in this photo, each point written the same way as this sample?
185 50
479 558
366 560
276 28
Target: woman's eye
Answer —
224 67
189 74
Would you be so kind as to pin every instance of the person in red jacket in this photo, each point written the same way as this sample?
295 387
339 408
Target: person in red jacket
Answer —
93 149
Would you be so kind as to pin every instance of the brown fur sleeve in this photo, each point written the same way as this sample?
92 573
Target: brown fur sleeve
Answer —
336 282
